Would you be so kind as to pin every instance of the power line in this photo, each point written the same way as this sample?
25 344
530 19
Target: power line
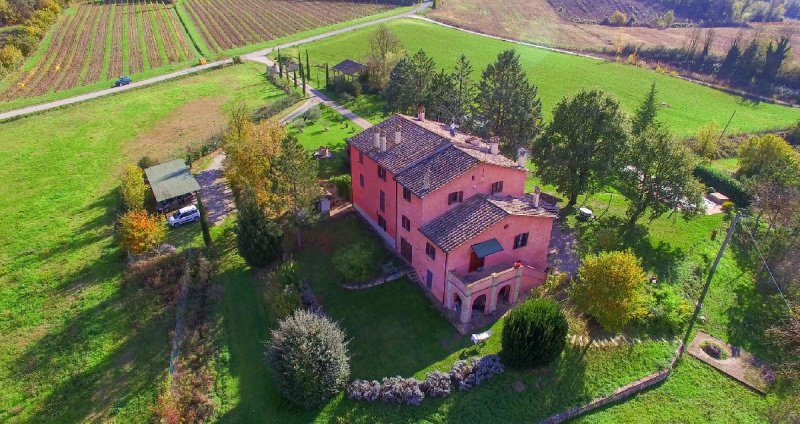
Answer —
769 271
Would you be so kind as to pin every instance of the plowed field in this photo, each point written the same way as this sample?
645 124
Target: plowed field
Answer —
104 40
227 24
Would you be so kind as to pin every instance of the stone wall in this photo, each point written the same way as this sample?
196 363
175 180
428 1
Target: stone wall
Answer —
623 392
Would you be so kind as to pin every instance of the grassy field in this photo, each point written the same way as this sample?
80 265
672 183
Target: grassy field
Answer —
689 105
538 22
76 343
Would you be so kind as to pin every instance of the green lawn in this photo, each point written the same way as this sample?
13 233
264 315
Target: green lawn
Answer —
394 330
331 130
76 343
558 75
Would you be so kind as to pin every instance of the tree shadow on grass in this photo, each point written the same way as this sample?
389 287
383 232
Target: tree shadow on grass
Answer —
90 381
756 308
660 259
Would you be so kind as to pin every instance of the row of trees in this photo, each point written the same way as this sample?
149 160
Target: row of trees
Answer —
503 104
723 11
274 182
757 61
589 144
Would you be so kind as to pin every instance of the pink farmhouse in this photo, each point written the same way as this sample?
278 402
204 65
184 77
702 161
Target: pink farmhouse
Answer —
455 209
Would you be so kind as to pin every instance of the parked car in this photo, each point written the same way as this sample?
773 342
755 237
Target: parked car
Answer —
122 81
184 216
175 203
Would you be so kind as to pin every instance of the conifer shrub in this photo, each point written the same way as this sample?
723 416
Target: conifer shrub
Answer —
534 334
308 356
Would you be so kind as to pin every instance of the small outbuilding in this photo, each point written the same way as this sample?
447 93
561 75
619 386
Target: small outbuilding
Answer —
349 67
172 184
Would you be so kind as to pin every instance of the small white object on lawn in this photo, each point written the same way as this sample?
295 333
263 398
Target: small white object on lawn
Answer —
481 337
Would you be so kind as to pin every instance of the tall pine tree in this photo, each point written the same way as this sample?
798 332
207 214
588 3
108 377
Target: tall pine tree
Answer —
508 106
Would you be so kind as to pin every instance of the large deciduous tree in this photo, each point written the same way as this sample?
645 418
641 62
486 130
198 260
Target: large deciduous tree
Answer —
385 51
658 176
769 157
296 185
610 288
507 104
579 150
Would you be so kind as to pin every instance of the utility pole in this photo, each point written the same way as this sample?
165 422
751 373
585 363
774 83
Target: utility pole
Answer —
708 281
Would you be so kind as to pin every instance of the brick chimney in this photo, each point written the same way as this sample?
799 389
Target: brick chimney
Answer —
537 192
494 145
398 135
383 142
522 157
377 139
421 113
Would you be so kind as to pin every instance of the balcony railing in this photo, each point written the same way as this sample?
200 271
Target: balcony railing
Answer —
493 275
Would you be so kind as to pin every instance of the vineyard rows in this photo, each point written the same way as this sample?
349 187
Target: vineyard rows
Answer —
227 24
104 40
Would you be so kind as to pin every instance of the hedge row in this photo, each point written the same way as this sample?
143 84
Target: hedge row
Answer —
464 375
724 183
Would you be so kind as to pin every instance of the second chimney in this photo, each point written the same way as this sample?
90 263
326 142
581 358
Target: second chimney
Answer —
421 113
522 157
537 192
397 134
377 139
383 142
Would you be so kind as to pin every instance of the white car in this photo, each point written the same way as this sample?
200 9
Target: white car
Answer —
183 216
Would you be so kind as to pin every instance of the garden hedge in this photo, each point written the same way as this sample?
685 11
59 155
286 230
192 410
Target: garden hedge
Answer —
723 182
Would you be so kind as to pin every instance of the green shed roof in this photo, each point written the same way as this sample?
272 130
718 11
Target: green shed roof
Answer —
486 248
171 179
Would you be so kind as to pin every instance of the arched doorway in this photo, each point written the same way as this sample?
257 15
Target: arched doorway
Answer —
457 303
504 295
479 304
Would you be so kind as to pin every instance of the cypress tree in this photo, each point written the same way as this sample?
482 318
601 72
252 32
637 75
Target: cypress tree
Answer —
308 68
327 76
280 64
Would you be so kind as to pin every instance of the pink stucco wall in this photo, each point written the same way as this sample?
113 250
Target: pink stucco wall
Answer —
420 211
368 197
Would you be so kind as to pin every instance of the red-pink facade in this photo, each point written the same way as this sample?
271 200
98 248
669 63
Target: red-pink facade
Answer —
455 274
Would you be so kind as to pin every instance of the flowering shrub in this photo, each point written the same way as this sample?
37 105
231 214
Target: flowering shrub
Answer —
366 390
401 390
437 384
472 372
464 375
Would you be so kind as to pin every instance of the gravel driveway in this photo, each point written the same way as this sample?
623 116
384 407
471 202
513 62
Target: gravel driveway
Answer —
215 192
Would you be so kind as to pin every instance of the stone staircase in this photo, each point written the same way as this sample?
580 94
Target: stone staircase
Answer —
413 276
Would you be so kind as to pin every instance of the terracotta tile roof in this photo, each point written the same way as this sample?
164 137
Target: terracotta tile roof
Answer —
349 67
466 221
436 170
487 157
417 143
523 205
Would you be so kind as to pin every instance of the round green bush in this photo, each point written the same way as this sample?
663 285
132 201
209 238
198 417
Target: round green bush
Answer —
308 355
535 333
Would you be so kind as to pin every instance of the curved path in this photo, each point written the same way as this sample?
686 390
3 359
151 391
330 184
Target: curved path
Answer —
142 83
